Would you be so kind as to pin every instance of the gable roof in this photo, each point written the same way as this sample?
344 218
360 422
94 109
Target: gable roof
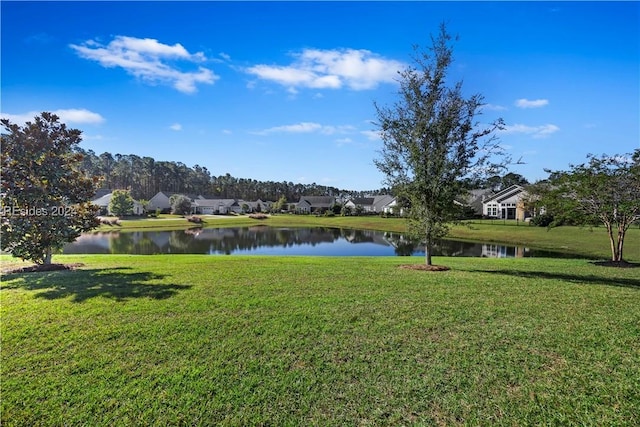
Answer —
379 202
362 201
505 194
101 192
168 195
214 203
318 201
102 201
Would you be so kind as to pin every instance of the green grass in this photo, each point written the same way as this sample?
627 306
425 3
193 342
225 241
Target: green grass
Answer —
201 340
578 240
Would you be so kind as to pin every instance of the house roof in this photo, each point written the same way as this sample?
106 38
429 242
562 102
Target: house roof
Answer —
380 202
362 201
214 203
318 201
101 192
102 201
505 194
106 199
168 194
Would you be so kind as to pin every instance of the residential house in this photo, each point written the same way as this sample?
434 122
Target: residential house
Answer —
161 200
376 204
215 206
506 204
315 204
257 206
103 204
473 201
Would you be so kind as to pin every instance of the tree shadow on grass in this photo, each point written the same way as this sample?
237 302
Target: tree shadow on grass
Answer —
570 278
114 283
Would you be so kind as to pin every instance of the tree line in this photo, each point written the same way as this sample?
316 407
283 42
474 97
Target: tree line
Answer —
144 177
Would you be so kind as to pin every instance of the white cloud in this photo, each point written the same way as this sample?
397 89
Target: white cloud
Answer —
527 103
535 131
176 127
371 135
227 131
73 115
343 141
307 127
331 69
149 60
493 107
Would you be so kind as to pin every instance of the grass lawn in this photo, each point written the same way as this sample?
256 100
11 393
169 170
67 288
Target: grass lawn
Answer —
201 340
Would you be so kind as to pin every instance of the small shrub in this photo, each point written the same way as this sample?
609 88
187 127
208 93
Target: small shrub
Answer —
110 221
329 213
258 216
194 219
542 220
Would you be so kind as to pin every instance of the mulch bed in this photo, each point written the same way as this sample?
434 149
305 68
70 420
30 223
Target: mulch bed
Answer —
424 267
40 268
617 264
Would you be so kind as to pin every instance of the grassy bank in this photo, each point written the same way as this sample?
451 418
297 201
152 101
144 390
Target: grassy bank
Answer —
583 241
200 340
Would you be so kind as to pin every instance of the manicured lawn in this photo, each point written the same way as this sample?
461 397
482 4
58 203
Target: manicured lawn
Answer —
200 340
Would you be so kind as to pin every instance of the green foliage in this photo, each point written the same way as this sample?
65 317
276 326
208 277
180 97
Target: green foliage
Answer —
542 220
121 203
604 190
180 204
280 204
431 142
497 182
45 196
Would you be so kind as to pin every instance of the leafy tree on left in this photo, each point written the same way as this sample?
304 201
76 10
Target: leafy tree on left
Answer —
45 196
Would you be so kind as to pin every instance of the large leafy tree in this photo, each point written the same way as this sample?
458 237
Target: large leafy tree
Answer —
45 195
604 190
432 142
180 204
121 203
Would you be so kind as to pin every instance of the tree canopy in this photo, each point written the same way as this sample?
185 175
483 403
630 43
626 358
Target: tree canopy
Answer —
604 190
45 195
432 142
121 203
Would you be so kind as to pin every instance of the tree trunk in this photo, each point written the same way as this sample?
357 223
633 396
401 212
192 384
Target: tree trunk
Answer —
427 252
612 241
47 257
621 233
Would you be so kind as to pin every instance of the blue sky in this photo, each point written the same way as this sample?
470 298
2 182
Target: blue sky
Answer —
285 91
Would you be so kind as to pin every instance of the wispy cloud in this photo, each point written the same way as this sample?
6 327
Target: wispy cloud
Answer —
176 127
73 115
149 60
371 135
494 107
331 69
542 131
307 127
529 103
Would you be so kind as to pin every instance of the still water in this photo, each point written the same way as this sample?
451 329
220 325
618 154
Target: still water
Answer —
265 240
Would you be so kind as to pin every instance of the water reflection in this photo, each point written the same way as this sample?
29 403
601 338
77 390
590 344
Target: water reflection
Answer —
264 240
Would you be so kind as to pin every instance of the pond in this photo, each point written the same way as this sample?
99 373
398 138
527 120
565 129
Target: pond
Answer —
265 240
